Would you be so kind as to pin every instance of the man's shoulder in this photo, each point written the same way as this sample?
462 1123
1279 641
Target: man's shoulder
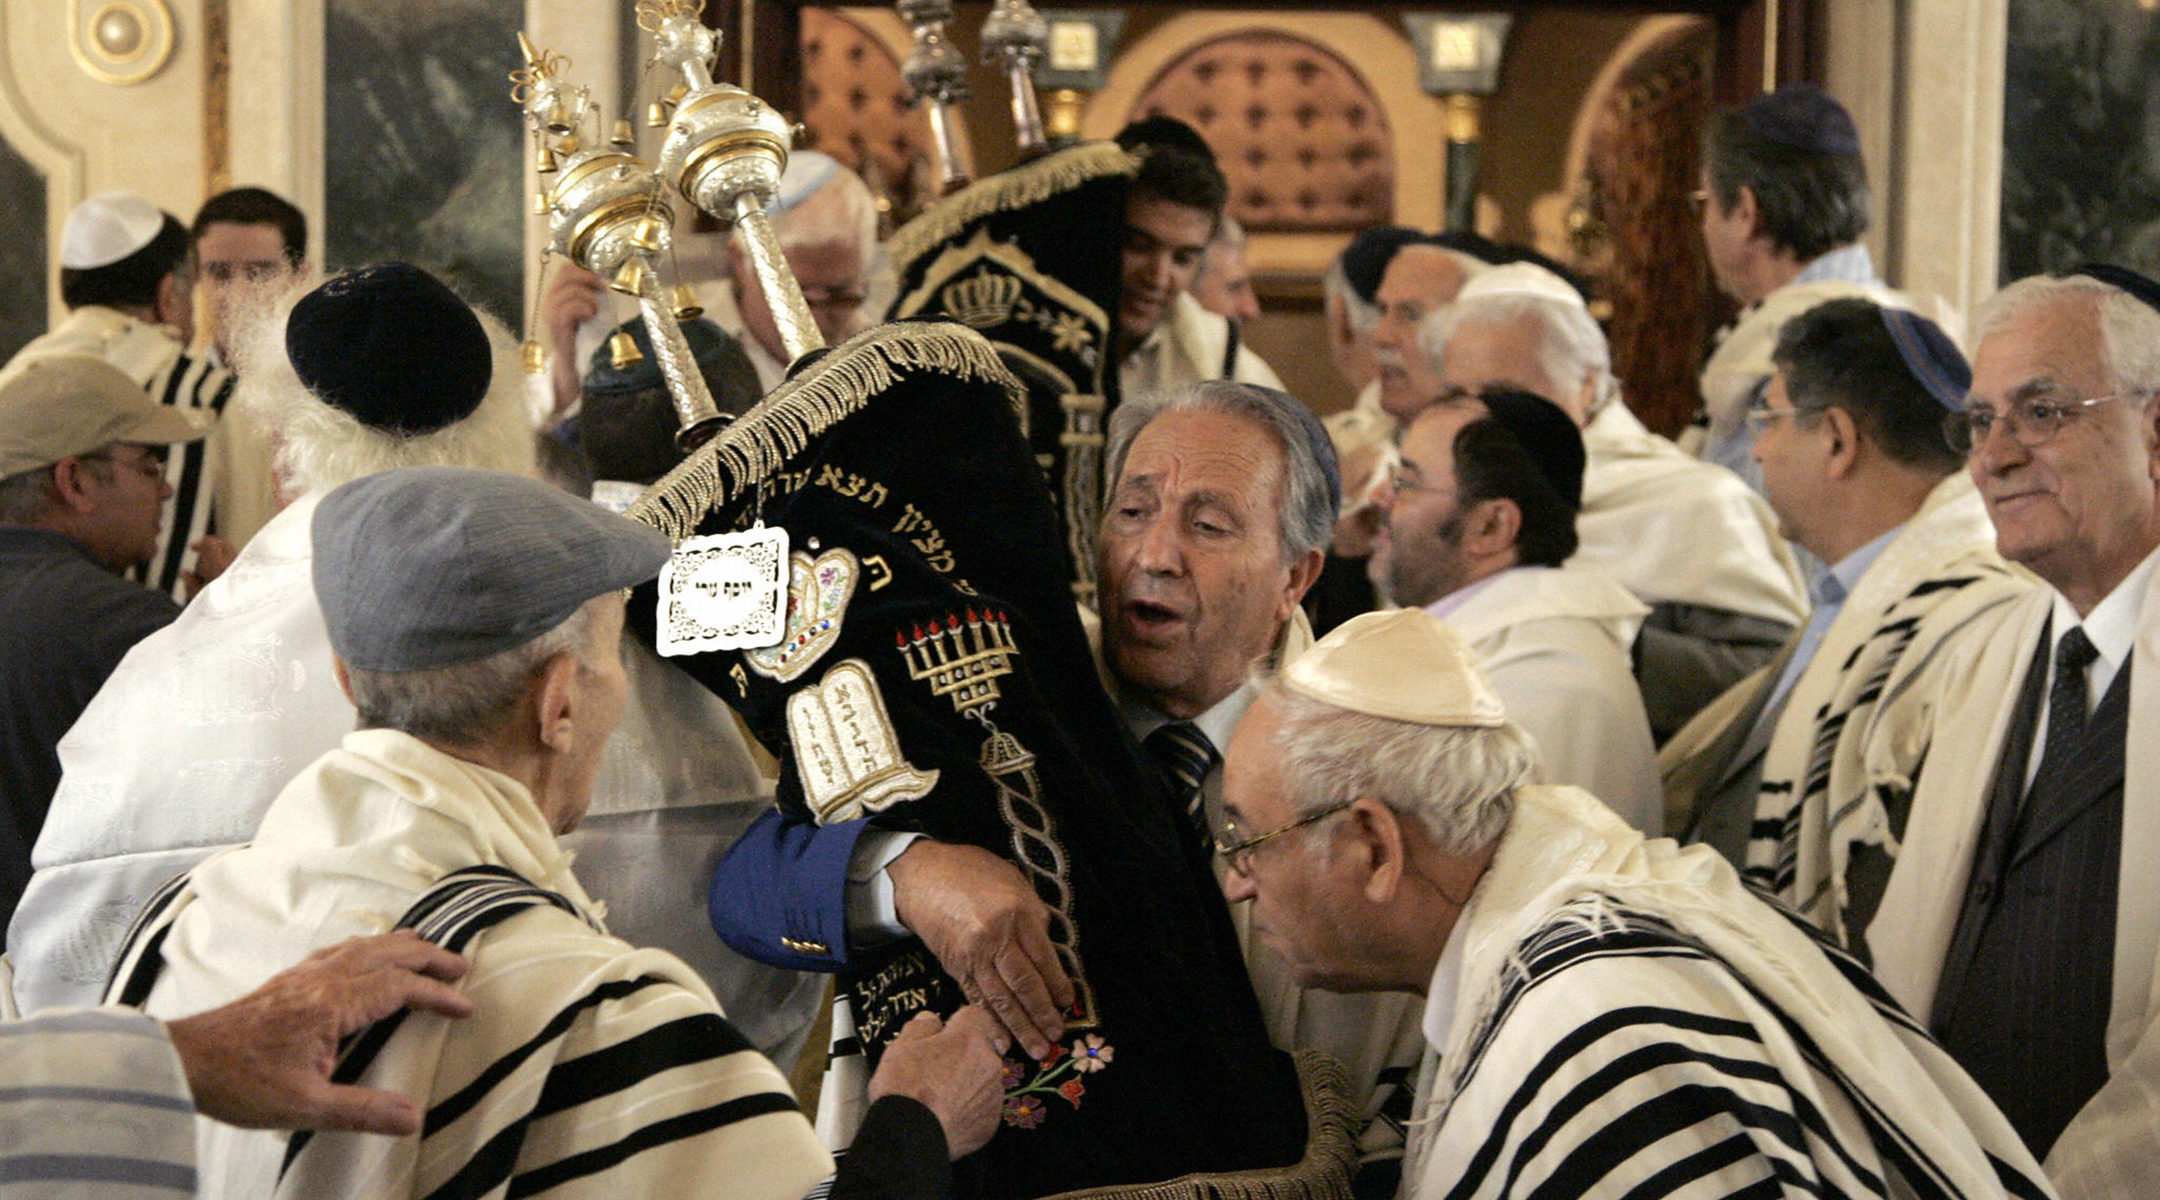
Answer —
51 581
137 348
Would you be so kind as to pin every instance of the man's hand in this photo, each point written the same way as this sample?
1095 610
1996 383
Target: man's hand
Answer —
212 555
956 1068
990 932
574 296
1360 521
264 1061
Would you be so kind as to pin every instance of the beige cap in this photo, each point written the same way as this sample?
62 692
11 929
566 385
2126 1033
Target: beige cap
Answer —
52 408
1520 279
1402 665
107 228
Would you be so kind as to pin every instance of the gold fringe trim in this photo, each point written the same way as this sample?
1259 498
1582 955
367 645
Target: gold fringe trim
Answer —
1331 1152
1028 183
762 441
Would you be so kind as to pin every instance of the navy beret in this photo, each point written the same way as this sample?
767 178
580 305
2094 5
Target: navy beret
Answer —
1930 355
1803 117
1365 260
392 346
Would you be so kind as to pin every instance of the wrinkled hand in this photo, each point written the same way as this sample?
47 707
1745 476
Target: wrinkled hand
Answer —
990 932
264 1061
574 296
212 555
955 1068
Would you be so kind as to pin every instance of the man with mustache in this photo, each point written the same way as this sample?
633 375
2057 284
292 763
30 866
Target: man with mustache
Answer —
2021 920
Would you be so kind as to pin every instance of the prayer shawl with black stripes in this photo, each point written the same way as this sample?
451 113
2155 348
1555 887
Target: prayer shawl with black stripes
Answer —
589 1068
1838 773
152 356
1621 1017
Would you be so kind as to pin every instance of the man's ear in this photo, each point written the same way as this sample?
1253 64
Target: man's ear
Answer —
1745 208
556 703
343 674
1844 452
1303 571
1494 526
1376 831
72 478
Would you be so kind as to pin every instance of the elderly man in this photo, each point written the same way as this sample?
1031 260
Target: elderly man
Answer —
2021 920
1784 200
195 733
1803 774
82 484
1223 284
124 277
1687 538
476 619
1223 496
1479 518
1606 1015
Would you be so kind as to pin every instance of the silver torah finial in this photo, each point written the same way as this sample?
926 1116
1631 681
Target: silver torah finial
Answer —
608 212
1013 37
938 75
725 150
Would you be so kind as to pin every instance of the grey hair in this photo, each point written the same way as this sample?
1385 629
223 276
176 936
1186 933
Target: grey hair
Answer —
1569 343
1312 482
27 496
1336 284
1458 782
839 209
469 703
2129 328
323 447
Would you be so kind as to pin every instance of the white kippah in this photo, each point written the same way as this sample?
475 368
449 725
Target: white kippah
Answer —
807 171
1403 665
1520 279
107 228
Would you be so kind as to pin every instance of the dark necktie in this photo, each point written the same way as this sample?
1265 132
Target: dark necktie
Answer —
2066 717
1186 756
2067 695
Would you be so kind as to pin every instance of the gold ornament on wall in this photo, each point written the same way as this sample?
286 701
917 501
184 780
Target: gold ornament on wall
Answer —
120 42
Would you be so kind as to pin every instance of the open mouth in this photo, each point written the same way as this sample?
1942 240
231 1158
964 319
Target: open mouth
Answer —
1150 619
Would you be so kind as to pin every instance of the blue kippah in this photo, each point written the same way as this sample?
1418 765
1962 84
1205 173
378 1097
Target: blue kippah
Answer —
392 346
1930 355
1804 117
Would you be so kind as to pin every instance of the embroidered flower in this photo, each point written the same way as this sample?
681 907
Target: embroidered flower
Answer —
1052 1055
1015 1075
1072 1090
1091 1053
1025 1112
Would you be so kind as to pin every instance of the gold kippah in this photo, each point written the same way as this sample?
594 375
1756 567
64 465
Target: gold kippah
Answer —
1403 665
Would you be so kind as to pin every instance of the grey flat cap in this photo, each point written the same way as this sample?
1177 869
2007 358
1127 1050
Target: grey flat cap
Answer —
434 566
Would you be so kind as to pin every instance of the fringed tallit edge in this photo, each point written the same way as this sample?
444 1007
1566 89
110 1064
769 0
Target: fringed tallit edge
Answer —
1331 1152
827 392
1028 183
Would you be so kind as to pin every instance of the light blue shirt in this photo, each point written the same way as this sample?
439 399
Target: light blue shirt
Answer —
1829 591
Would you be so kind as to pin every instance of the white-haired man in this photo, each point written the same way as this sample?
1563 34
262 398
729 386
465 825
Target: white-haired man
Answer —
194 734
1687 538
1605 1015
476 619
2022 918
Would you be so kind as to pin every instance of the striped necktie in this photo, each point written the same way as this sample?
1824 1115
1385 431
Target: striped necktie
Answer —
1186 756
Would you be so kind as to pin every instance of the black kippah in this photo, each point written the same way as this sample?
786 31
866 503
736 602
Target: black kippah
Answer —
1165 132
1804 117
1367 256
1547 434
392 346
2145 289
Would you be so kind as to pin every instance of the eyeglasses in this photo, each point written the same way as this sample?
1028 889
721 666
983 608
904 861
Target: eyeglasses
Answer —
1762 416
256 271
2031 421
1699 199
1239 853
